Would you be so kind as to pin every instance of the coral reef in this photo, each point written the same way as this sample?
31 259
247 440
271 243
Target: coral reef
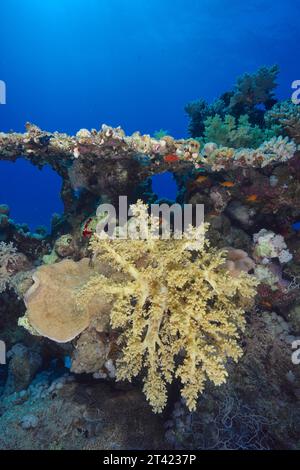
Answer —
171 316
248 119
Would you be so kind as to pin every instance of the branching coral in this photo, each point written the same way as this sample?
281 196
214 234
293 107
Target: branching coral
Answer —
180 312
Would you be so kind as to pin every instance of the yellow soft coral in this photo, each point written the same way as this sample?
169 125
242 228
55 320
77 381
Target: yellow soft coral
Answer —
179 312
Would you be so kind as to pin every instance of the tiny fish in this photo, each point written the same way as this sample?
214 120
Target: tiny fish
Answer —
171 158
266 304
252 198
86 232
227 184
201 179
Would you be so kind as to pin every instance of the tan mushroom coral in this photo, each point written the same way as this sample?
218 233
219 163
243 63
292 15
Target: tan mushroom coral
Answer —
51 304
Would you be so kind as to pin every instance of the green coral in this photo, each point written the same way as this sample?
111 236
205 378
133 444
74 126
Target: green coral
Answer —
230 132
158 135
252 95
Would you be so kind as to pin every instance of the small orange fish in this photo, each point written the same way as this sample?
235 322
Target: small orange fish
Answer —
266 304
252 198
171 158
227 184
201 179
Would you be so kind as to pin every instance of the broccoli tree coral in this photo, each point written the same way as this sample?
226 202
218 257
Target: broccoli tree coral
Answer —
252 95
256 89
231 132
179 311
